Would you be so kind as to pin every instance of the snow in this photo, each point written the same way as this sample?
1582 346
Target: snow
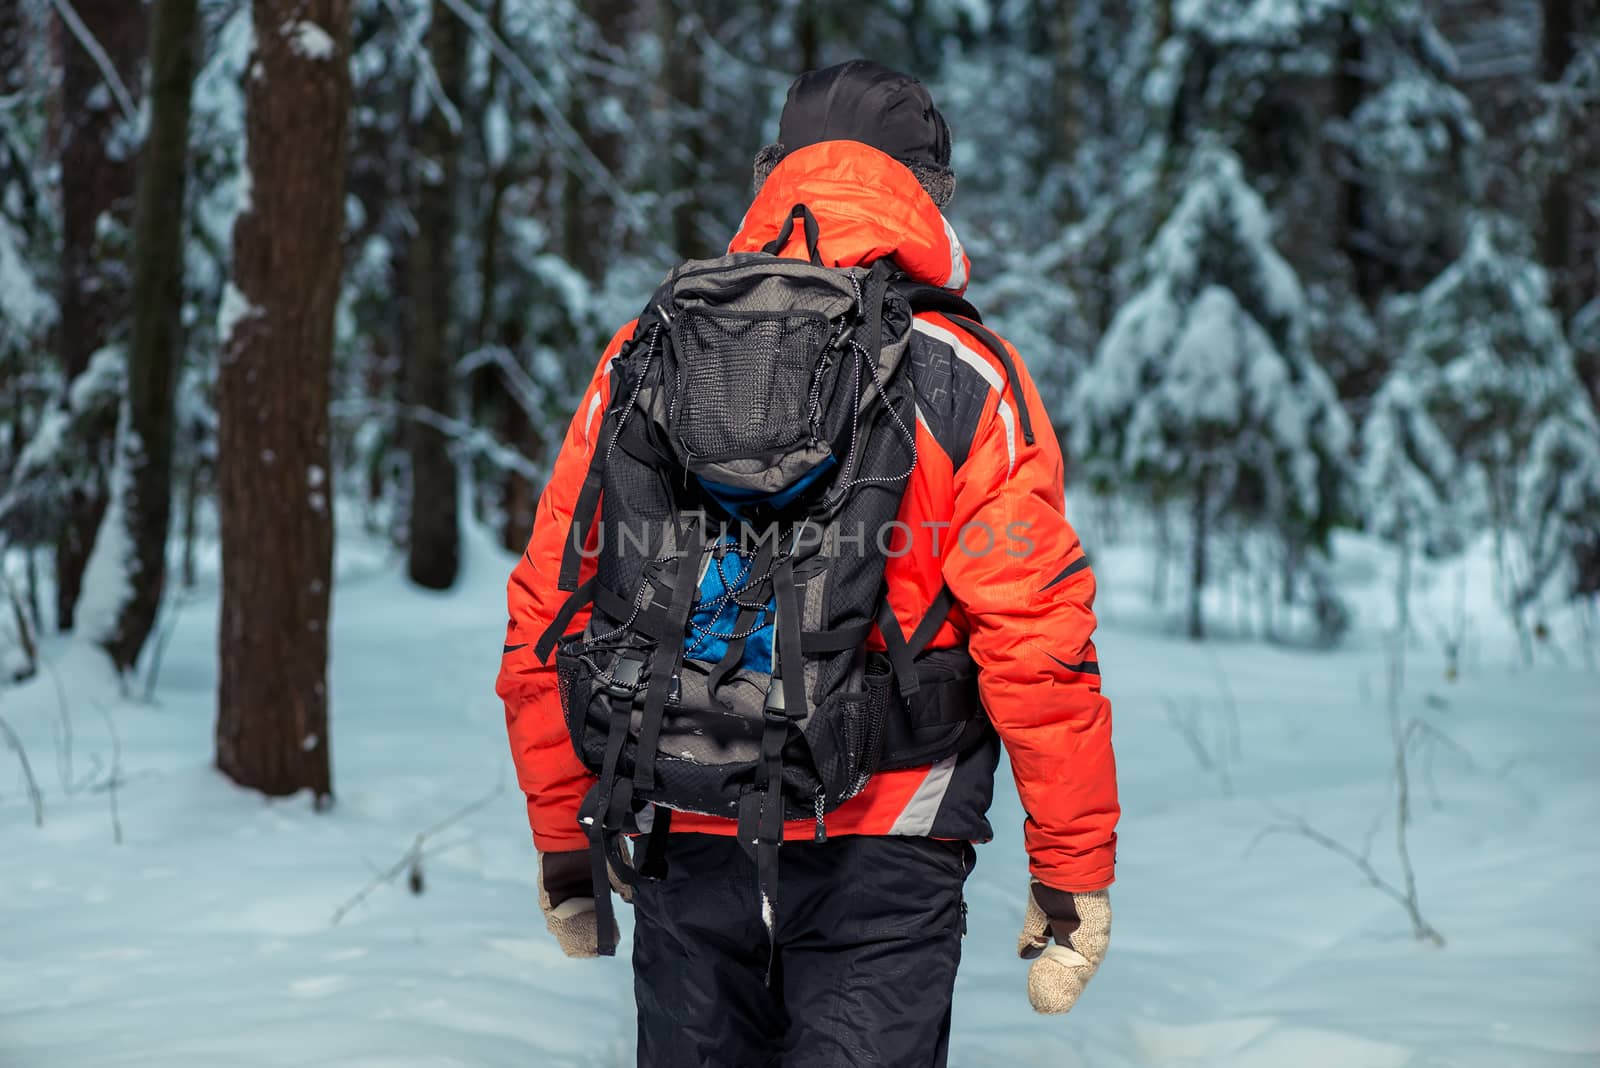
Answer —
208 936
24 305
106 586
1260 22
309 40
497 134
1217 185
1204 378
235 306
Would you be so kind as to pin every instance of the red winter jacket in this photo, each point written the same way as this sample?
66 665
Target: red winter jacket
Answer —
984 511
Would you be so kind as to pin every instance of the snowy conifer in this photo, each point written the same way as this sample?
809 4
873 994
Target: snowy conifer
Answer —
1203 389
1486 367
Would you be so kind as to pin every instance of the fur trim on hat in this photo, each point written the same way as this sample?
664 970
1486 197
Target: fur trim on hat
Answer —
940 182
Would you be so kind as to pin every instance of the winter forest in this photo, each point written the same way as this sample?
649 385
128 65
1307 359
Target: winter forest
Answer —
297 298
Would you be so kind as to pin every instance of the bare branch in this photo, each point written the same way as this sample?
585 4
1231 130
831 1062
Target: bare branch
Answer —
411 859
528 394
116 771
64 731
474 439
25 628
158 654
571 140
108 71
14 743
424 62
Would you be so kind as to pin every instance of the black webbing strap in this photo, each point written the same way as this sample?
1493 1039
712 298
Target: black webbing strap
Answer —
993 343
813 235
733 655
903 652
878 286
583 514
937 613
836 640
618 608
596 813
786 701
664 661
625 674
583 595
898 651
605 916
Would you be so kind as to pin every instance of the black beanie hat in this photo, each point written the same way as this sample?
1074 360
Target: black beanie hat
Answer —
865 101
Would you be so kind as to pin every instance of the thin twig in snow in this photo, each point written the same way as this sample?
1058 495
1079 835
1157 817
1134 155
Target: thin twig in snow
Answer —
116 772
107 70
25 630
1402 822
14 742
411 859
1230 707
1298 825
64 731
157 655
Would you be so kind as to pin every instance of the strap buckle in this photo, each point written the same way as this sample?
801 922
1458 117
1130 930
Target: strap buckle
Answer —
623 678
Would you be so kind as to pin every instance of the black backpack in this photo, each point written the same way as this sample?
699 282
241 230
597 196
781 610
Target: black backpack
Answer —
760 436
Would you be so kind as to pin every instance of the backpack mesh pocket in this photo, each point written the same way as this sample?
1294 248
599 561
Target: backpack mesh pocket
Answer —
575 683
745 382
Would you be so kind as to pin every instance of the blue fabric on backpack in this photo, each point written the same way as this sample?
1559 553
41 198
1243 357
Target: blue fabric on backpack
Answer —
721 616
735 498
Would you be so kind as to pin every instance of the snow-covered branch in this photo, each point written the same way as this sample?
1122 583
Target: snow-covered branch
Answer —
552 113
472 438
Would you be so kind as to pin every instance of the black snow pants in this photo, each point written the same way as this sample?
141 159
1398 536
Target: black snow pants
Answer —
869 936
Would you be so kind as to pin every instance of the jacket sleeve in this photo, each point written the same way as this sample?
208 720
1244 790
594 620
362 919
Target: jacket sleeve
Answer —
547 769
1020 576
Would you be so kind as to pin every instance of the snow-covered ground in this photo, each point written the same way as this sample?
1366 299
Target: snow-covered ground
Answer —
208 937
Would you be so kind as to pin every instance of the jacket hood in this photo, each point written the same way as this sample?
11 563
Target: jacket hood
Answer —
868 206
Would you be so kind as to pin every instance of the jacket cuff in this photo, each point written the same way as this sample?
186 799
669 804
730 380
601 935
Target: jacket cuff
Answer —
1078 873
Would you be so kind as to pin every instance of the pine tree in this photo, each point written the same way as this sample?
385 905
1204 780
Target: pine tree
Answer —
1559 508
1491 369
1202 389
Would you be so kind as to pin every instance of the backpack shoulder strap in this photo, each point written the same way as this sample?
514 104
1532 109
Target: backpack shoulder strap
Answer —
992 342
928 298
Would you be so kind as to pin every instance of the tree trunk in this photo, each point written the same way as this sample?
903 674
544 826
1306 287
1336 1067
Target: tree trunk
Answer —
1349 90
1063 118
434 542
591 236
273 389
191 507
13 47
684 83
97 178
155 351
1158 584
1556 209
1197 559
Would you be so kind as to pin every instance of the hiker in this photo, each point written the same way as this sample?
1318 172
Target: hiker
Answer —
801 568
